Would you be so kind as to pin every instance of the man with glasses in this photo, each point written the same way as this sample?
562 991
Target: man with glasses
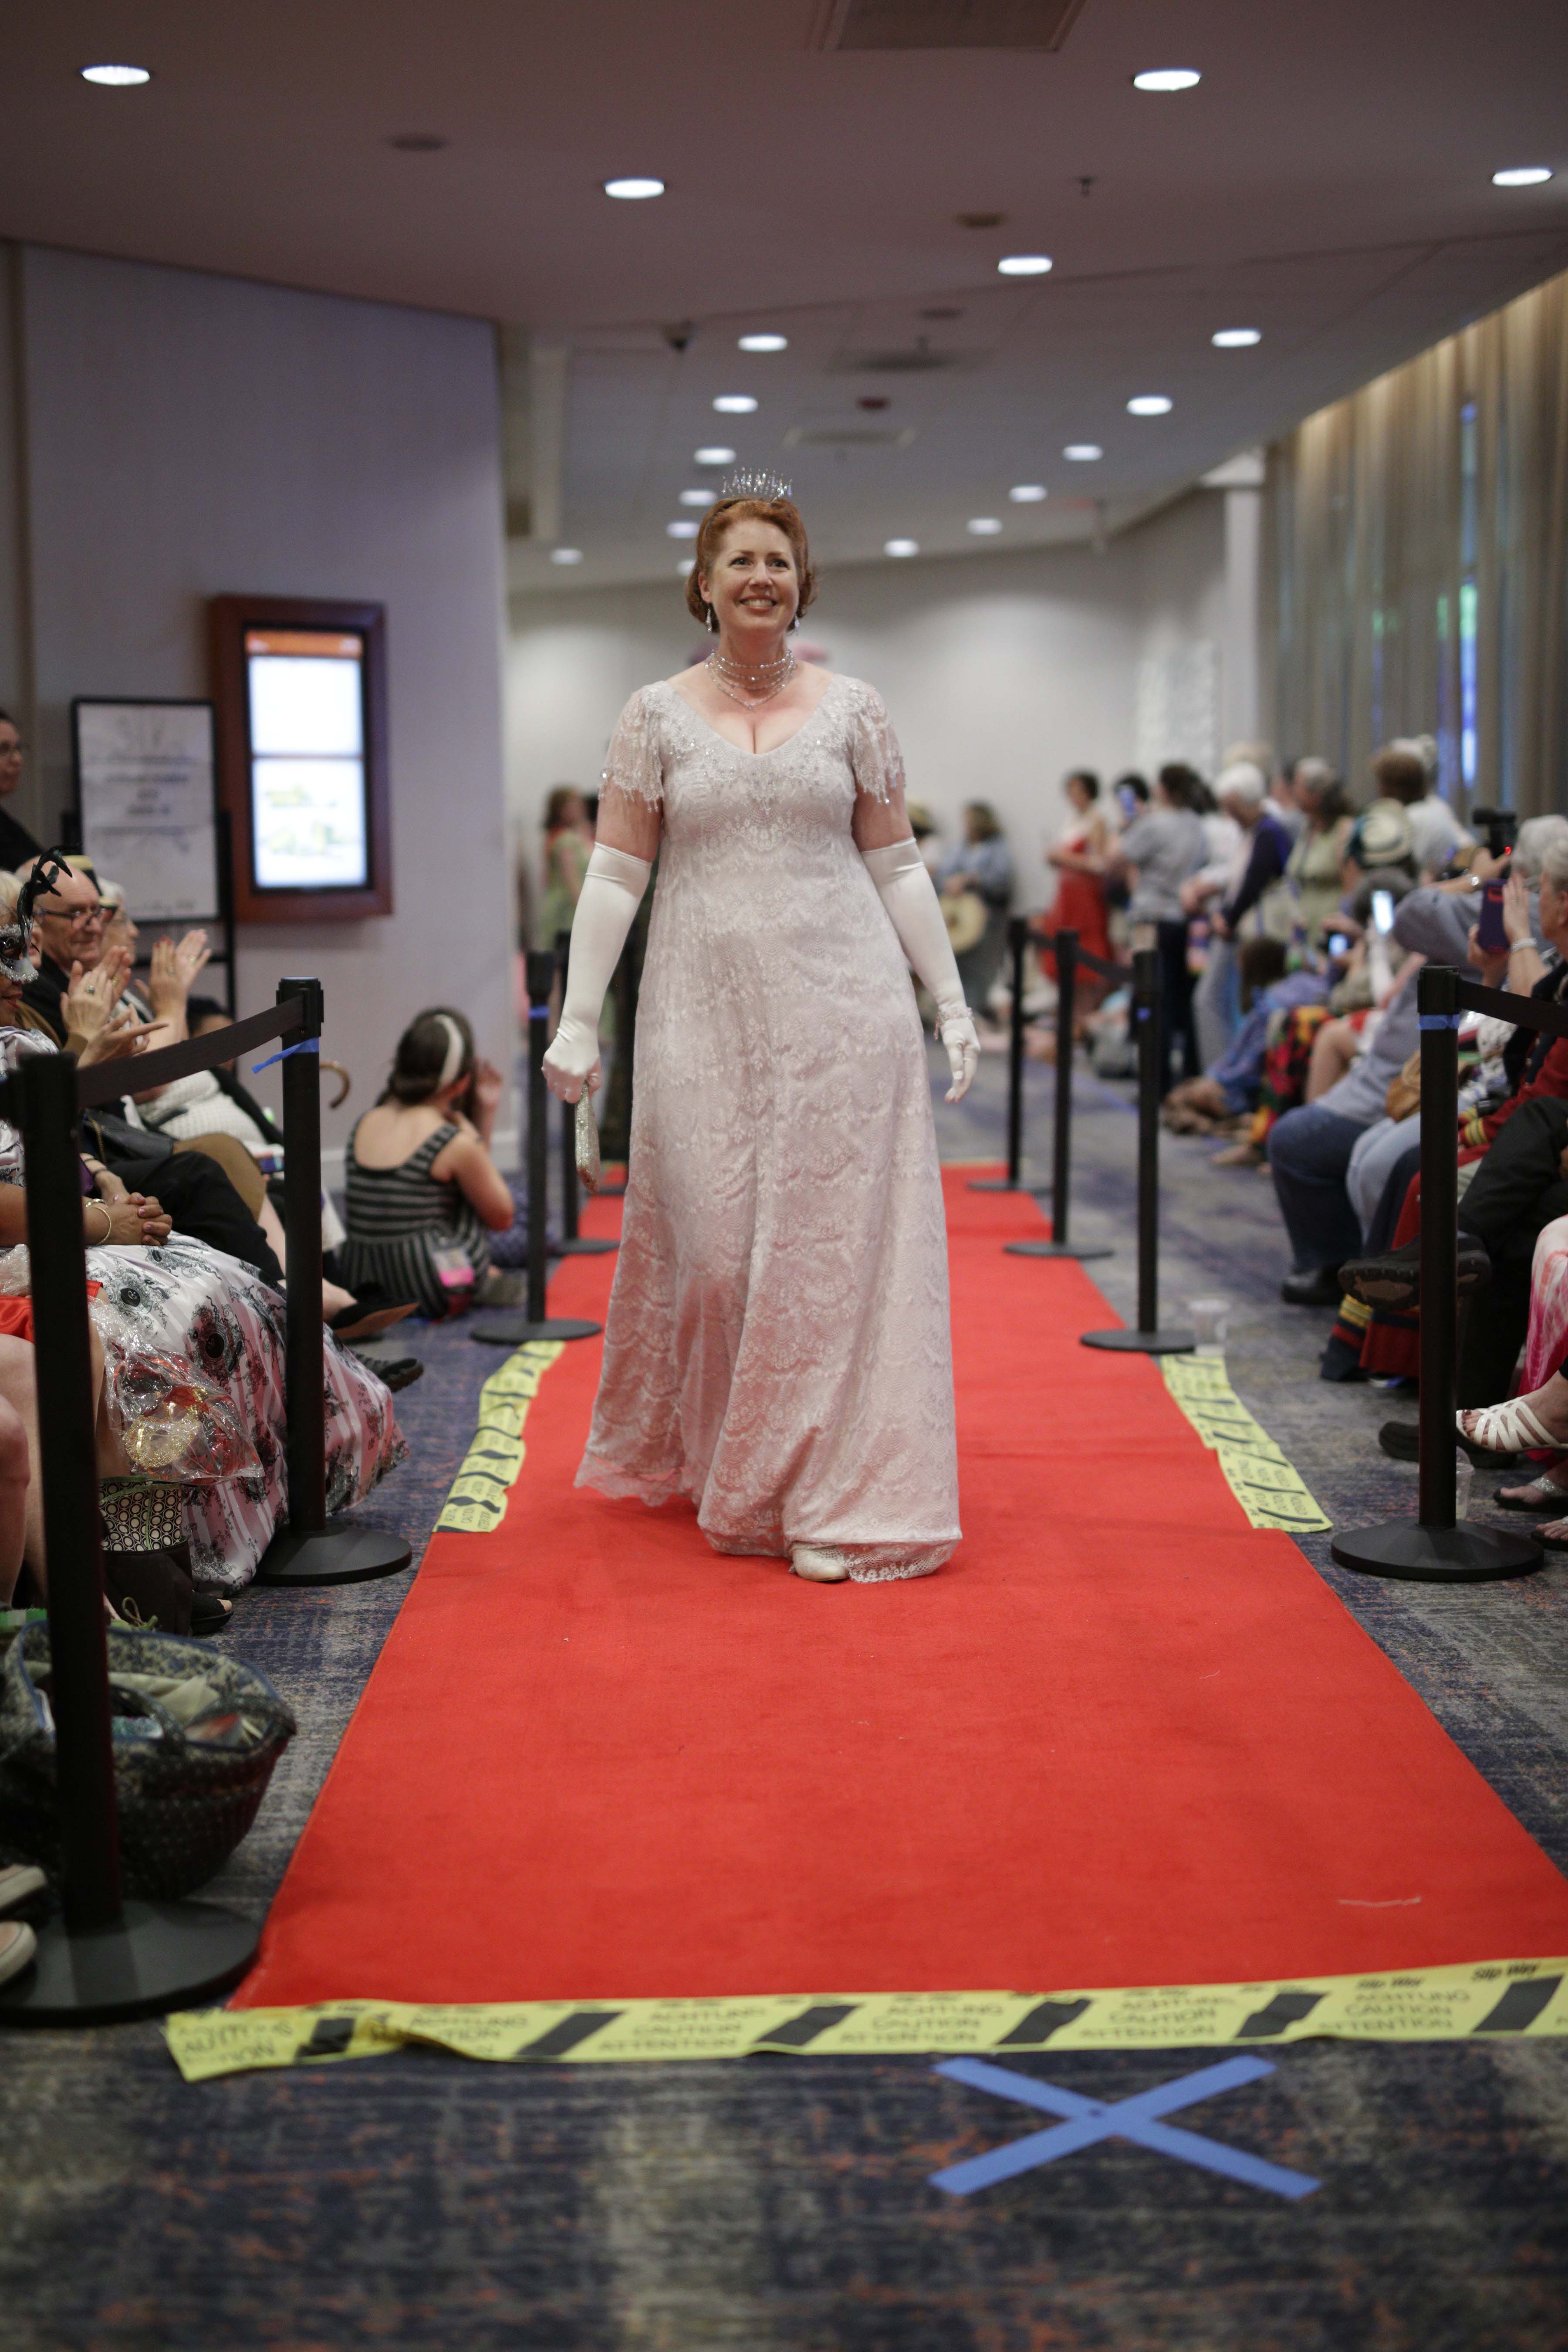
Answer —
69 923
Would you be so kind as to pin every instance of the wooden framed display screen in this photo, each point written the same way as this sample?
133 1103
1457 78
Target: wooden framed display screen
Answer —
300 683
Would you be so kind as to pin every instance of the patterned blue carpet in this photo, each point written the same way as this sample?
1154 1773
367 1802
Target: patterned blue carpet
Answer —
782 2205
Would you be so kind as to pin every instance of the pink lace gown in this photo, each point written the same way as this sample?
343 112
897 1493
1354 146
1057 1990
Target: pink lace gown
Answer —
777 1348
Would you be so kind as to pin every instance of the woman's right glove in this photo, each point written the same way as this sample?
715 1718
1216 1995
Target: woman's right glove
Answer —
612 891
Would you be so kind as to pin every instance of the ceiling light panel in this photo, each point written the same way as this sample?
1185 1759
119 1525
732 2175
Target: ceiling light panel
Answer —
1024 265
1149 404
1027 494
1083 453
1167 79
1521 176
1236 339
763 343
634 191
734 404
984 525
116 77
715 453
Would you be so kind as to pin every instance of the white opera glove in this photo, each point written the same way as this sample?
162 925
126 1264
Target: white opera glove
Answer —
908 893
612 890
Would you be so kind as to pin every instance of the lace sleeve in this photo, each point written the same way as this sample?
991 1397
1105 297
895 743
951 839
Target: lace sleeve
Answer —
633 764
874 754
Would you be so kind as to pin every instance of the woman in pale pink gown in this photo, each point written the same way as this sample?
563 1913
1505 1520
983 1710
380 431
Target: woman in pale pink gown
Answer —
777 1348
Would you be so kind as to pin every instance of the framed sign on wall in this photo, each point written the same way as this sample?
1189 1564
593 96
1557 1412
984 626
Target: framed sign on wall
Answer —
300 685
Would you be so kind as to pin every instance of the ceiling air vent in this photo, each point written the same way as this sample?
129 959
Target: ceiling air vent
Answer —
848 437
921 360
943 23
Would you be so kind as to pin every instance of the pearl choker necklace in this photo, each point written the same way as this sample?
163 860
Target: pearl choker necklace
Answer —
750 685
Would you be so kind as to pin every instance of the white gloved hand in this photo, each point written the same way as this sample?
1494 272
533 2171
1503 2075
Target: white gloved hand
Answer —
612 889
907 891
957 1029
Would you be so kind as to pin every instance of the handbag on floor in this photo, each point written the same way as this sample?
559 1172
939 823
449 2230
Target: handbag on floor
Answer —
195 1737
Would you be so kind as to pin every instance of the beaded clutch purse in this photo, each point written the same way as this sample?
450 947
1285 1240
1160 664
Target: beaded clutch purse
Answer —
587 1139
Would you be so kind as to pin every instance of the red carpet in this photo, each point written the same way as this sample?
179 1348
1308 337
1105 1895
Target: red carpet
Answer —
1122 1738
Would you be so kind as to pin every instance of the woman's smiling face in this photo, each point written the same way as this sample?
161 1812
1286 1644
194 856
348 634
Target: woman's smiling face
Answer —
753 582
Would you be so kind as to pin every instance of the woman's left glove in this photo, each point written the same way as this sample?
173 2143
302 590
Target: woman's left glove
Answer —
955 1028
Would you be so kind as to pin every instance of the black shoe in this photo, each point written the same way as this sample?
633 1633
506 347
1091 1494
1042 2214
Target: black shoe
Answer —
1321 1287
1393 1278
392 1371
1402 1441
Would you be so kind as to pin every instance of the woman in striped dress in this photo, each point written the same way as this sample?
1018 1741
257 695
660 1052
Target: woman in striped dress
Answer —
423 1189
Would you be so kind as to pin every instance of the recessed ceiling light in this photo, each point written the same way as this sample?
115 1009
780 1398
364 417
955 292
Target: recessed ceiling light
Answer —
717 455
1027 494
1525 175
116 77
1024 265
418 143
984 525
633 191
680 529
763 343
1083 453
1149 404
696 498
566 555
1236 339
1167 78
734 404
901 546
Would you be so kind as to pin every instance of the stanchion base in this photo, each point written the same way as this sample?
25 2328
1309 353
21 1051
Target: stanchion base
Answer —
1055 1249
331 1556
513 1330
1456 1555
1141 1343
156 1956
585 1245
1006 1184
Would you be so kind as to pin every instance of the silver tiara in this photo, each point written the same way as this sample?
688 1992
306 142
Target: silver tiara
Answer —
746 483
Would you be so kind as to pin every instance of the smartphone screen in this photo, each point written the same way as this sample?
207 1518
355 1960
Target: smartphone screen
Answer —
1382 910
1338 944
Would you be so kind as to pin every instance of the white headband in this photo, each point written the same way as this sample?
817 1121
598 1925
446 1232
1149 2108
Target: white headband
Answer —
455 1049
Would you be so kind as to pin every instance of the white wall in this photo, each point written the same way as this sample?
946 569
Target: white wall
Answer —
999 671
187 436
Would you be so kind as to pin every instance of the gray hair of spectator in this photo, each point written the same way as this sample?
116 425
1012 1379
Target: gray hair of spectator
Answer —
1423 747
1242 780
1535 837
1554 863
1257 755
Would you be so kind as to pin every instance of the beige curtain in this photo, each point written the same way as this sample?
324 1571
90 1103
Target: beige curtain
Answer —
1418 542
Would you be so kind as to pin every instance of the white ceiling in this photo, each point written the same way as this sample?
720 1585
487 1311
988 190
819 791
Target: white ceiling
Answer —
1328 182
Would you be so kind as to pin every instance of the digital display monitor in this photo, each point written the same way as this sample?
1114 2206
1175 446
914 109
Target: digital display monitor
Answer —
308 803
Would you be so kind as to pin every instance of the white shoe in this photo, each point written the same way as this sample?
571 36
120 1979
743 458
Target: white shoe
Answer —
817 1564
17 1881
18 1944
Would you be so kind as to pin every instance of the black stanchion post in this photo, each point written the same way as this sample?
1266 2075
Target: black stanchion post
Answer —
572 1243
1017 944
1147 1339
104 1958
307 1551
1061 1132
512 1330
1431 1548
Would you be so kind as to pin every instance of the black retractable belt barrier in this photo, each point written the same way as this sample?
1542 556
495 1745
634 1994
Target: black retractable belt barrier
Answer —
623 1069
572 1243
1068 954
1147 1339
1433 1548
1017 944
107 1959
307 1551
512 1330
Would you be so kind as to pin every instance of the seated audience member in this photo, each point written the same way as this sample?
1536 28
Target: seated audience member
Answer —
1230 1088
1313 869
164 1306
421 1185
1257 864
1434 829
73 973
1309 1148
16 844
1155 855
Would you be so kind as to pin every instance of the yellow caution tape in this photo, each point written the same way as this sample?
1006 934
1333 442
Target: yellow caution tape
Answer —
477 1500
1262 1478
1503 1998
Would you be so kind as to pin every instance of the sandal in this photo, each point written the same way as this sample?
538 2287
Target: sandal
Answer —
1552 1538
1542 1492
1510 1428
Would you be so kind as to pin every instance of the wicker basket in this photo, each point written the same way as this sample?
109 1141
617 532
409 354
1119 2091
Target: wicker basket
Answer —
185 1801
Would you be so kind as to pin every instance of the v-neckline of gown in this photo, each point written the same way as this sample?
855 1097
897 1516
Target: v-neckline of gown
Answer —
739 748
